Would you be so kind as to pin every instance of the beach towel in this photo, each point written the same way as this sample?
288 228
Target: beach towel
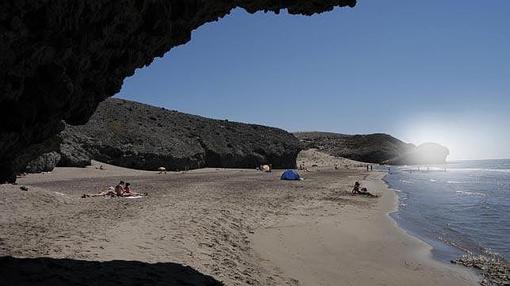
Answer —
134 197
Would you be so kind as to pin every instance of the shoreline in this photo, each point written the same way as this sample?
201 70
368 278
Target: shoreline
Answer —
435 245
403 259
432 244
224 223
491 268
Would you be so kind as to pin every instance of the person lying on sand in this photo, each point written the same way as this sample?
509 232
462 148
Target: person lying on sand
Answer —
120 190
129 193
363 191
110 192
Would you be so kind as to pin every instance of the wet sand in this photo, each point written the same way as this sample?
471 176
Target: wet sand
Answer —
241 227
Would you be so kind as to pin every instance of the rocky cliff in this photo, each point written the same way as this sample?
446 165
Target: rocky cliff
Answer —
61 58
135 135
374 148
425 154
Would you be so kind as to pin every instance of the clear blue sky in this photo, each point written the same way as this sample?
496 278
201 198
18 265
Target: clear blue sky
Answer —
419 70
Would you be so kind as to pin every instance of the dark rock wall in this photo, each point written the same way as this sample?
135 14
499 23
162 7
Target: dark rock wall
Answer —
139 136
44 163
60 58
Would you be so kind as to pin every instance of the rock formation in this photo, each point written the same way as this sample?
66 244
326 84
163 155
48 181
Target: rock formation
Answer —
374 148
61 58
139 136
425 154
44 163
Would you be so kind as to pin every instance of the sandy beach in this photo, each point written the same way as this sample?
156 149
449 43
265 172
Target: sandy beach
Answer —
237 227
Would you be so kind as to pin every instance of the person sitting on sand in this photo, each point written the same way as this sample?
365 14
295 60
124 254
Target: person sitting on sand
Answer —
127 190
114 192
119 189
363 191
129 193
356 190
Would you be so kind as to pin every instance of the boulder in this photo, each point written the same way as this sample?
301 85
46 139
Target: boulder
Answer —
44 163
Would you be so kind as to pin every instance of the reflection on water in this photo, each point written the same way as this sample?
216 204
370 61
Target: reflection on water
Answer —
462 206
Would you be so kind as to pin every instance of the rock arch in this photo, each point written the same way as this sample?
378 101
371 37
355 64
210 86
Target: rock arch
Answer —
60 58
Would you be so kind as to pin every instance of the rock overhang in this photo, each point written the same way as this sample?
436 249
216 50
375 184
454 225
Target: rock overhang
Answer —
61 58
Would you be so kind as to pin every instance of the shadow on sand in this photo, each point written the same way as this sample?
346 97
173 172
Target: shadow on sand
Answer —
56 272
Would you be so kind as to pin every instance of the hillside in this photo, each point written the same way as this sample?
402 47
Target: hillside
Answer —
373 148
140 136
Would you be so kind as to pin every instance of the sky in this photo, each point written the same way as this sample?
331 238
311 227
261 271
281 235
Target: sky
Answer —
422 71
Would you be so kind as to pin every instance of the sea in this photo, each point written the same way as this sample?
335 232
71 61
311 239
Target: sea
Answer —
458 208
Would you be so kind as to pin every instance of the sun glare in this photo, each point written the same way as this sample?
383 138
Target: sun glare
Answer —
452 135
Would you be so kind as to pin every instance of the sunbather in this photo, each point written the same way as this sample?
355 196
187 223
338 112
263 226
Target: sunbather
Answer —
110 192
356 190
363 191
129 193
119 189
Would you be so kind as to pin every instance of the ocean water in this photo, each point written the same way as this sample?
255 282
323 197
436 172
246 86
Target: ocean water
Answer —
457 208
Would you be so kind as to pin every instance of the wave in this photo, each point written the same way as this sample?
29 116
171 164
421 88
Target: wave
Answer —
471 193
479 170
464 208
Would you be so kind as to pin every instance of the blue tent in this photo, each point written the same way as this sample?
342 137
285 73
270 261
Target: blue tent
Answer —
290 175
